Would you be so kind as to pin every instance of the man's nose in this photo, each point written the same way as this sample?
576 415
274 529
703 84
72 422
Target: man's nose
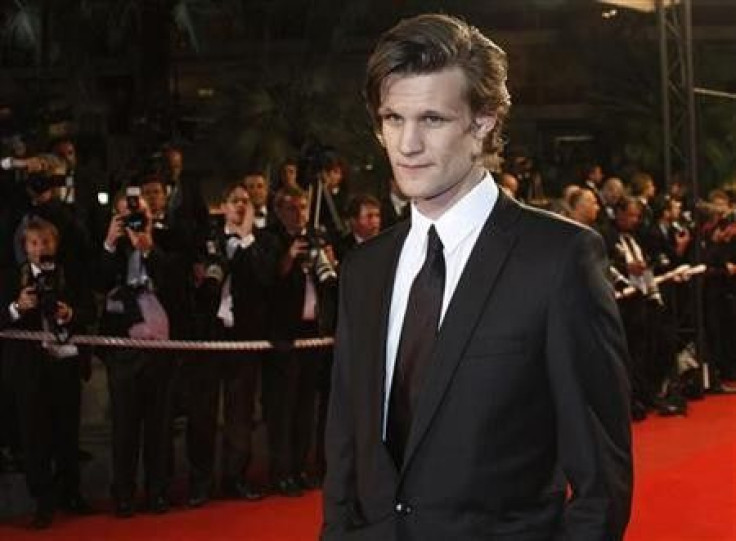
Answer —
410 139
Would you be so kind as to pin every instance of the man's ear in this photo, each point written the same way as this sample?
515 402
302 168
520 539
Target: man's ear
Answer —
482 125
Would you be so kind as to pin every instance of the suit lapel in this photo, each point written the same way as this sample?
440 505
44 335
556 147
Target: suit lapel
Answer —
468 302
379 353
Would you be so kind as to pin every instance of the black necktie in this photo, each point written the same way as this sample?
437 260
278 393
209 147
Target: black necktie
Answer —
418 335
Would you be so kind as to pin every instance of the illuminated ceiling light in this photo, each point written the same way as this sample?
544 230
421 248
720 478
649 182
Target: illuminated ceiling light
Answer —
609 13
646 6
205 92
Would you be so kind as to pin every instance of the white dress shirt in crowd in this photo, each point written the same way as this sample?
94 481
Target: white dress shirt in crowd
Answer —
458 229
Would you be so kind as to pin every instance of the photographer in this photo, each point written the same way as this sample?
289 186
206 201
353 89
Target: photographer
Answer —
239 268
303 303
648 323
143 284
45 375
719 240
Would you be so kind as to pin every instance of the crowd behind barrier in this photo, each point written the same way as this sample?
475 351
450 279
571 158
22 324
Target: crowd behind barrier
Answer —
164 293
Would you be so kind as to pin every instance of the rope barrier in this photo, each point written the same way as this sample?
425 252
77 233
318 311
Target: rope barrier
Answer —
185 345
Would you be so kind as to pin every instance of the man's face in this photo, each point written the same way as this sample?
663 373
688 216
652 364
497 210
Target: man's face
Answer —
628 219
289 174
510 184
155 195
368 222
294 213
587 208
257 189
175 163
39 244
332 177
649 190
612 192
675 210
426 127
596 175
67 152
720 205
235 206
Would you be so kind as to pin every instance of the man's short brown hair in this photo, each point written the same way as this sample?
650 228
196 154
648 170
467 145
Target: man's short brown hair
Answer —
358 201
433 42
40 226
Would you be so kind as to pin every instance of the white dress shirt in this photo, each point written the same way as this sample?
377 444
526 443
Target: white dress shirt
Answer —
458 229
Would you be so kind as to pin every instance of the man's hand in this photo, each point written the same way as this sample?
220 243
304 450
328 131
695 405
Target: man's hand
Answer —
142 240
27 300
330 254
298 248
114 231
64 313
245 228
636 268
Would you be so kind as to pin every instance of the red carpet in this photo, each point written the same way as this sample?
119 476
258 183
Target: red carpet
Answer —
686 491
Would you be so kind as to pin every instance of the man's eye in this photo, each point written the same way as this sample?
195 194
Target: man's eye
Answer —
391 119
433 120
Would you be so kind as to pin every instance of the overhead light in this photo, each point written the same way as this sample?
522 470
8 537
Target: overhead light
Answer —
205 92
609 13
646 6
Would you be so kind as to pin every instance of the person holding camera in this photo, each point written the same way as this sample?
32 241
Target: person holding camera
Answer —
143 284
239 268
45 375
303 303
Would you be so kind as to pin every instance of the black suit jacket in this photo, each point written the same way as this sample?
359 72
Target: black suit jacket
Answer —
527 392
287 296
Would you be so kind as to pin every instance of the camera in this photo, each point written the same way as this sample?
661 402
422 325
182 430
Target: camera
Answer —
39 182
316 257
136 220
214 260
46 288
40 173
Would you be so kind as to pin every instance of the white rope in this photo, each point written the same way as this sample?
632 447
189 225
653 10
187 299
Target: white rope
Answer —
186 345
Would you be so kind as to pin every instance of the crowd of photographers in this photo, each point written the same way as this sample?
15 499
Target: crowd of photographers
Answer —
155 263
661 249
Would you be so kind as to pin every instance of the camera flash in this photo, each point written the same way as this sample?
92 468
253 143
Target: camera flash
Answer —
103 198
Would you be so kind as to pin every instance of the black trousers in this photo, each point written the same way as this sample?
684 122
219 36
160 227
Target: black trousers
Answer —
46 392
236 373
140 384
652 339
290 380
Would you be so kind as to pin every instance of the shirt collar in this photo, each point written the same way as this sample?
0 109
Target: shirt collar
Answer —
465 216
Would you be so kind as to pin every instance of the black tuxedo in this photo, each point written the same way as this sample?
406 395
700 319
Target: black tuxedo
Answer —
526 391
251 271
46 392
140 381
291 377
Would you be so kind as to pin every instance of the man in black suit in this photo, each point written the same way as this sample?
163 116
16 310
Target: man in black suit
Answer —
479 358
364 217
257 187
394 205
240 270
144 287
301 302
